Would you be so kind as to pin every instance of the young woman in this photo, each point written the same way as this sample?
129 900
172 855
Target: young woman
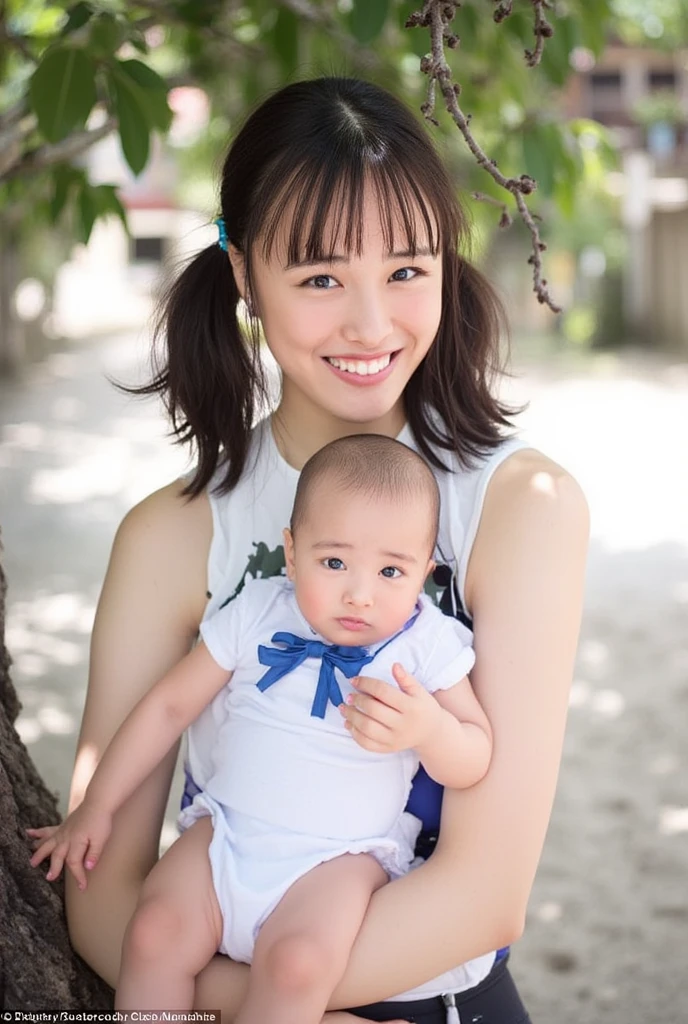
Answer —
341 232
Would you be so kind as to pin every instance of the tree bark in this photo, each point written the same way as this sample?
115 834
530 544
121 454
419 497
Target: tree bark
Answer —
11 330
39 970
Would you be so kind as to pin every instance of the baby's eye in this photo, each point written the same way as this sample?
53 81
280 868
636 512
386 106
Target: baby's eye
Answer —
323 282
391 572
334 563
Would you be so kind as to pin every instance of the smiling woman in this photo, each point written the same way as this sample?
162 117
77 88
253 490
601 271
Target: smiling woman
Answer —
348 331
341 230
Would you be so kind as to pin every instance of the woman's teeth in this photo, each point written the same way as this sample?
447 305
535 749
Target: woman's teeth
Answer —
363 367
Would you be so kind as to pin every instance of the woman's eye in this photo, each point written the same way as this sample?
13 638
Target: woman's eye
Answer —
406 274
390 572
334 563
323 282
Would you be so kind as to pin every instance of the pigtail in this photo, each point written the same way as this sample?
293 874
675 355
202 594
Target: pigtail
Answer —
206 369
457 377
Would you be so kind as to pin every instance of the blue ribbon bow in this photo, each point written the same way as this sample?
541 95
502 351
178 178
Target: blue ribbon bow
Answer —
282 660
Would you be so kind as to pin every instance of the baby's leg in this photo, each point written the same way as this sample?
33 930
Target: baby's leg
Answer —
302 949
342 1017
176 928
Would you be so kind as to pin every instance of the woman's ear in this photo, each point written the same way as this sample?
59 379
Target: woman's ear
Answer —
289 552
236 258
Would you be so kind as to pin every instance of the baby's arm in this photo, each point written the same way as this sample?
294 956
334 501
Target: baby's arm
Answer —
141 742
448 729
457 751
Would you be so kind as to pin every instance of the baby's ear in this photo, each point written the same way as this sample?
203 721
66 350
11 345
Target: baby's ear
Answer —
289 552
432 565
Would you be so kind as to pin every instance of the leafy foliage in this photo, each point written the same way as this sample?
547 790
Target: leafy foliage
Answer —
71 72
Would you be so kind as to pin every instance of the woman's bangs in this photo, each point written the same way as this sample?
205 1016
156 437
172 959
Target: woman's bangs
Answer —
327 210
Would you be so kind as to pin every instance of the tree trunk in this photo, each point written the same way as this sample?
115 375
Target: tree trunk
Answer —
11 329
38 968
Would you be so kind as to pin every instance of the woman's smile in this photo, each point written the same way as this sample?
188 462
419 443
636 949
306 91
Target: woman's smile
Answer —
362 370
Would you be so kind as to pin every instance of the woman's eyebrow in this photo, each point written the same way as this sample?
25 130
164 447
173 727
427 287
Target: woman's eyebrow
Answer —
332 258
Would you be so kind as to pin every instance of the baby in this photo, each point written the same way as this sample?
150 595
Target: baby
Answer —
303 817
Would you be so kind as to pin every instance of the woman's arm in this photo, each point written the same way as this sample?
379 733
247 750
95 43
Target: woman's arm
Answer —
152 600
525 590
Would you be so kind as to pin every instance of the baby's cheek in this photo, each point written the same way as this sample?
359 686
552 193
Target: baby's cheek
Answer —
312 598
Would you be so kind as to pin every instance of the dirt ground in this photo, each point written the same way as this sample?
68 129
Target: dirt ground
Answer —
608 923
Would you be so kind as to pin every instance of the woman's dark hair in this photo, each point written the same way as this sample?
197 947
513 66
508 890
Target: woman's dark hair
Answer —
312 148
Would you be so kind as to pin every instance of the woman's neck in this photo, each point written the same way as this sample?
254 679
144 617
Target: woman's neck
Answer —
300 432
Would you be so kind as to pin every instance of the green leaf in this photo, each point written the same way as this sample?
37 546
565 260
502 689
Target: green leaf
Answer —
414 40
133 119
367 18
541 148
64 178
594 26
285 40
565 196
78 15
557 50
107 202
87 212
138 41
199 12
466 27
106 34
152 92
62 91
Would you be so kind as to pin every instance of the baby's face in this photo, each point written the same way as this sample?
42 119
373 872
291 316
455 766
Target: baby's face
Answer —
358 564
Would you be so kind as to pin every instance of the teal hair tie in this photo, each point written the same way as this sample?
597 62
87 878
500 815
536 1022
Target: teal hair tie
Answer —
222 240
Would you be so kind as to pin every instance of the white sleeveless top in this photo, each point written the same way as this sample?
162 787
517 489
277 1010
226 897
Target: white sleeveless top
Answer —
247 543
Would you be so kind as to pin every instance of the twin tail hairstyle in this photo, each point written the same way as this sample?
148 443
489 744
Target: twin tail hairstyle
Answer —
312 148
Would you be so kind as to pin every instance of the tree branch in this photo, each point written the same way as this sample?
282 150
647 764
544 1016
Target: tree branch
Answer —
437 15
65 150
543 30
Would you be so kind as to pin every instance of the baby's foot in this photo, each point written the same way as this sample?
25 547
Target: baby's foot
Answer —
341 1017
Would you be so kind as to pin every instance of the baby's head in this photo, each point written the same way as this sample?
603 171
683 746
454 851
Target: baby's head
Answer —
363 531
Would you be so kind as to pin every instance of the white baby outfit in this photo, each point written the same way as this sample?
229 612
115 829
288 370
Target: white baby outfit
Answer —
290 790
247 543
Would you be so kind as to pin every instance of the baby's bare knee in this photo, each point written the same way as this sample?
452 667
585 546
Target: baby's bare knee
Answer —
298 963
154 931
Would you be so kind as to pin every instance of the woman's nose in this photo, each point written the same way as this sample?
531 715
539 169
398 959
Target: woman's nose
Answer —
368 321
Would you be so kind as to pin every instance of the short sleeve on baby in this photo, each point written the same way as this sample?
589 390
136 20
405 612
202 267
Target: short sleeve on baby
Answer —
450 655
222 632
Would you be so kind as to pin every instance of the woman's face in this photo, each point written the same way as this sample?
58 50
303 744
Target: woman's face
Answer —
348 333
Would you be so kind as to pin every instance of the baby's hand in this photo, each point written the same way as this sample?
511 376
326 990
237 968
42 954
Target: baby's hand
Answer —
383 719
78 842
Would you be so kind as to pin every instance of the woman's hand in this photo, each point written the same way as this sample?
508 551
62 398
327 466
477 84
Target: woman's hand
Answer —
78 842
385 718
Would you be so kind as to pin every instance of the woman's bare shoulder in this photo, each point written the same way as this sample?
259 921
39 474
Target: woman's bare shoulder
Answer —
533 506
163 543
168 516
529 479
